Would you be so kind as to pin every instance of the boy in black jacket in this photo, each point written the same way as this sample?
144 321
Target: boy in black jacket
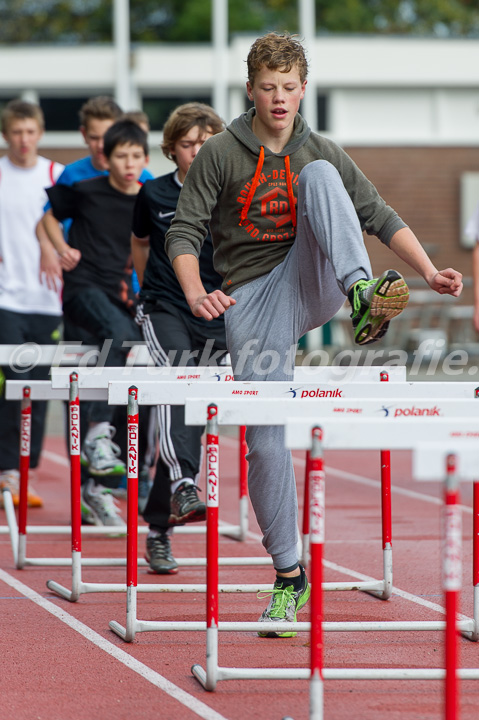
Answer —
173 334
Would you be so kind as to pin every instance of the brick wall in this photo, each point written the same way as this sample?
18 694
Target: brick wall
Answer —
423 186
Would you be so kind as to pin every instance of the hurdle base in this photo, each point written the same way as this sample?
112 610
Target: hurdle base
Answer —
200 674
11 522
385 588
472 634
64 592
121 631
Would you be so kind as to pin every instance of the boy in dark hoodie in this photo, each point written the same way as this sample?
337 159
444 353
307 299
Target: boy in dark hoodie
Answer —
286 209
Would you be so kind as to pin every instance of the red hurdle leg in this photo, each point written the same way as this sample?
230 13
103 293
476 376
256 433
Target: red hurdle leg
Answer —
132 515
306 512
475 560
386 516
75 477
25 444
243 484
75 498
75 466
452 580
209 678
317 513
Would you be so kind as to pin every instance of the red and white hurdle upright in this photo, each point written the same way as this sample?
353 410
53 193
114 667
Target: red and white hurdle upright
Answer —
316 511
451 583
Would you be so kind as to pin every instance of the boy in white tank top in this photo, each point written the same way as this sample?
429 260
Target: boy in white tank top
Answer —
30 311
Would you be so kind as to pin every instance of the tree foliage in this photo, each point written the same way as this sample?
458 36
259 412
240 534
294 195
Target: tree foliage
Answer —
90 21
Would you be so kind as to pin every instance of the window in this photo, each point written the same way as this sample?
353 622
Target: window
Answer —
61 113
159 108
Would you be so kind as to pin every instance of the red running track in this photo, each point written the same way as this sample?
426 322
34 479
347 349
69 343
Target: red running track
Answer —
60 660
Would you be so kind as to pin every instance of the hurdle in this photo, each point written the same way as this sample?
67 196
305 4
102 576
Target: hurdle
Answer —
42 390
26 356
451 434
152 393
101 377
34 390
272 412
451 554
279 412
79 586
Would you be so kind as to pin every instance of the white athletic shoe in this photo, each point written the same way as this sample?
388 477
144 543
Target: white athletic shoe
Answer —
100 454
99 507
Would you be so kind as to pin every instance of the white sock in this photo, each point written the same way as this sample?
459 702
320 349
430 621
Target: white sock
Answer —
175 485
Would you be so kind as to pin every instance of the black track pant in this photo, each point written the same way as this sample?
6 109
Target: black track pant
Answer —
175 338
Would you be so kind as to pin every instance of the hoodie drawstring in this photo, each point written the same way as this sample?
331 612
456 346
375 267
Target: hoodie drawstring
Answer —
252 190
255 183
289 185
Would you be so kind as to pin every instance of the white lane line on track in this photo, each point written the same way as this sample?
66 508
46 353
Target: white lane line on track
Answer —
189 701
56 458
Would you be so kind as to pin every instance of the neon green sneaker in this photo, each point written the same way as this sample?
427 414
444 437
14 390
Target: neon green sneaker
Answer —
376 302
284 605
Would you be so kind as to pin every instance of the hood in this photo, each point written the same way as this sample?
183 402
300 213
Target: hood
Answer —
241 129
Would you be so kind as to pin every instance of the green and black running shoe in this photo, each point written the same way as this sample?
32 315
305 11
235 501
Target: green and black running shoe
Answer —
283 606
376 302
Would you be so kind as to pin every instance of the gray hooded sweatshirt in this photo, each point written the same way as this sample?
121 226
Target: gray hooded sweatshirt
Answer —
248 196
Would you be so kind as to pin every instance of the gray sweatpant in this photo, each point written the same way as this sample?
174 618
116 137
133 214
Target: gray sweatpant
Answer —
271 313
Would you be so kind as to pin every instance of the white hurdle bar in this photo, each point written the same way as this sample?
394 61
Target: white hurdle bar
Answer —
333 433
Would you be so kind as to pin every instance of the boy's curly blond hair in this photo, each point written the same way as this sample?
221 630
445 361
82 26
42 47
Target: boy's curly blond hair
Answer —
277 51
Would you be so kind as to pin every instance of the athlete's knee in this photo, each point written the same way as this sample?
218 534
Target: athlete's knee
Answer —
318 170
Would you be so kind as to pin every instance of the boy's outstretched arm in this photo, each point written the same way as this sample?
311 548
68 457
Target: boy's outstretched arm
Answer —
406 246
202 304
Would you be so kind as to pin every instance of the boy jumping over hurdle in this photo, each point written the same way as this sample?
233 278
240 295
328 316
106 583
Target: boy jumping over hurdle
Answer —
286 209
